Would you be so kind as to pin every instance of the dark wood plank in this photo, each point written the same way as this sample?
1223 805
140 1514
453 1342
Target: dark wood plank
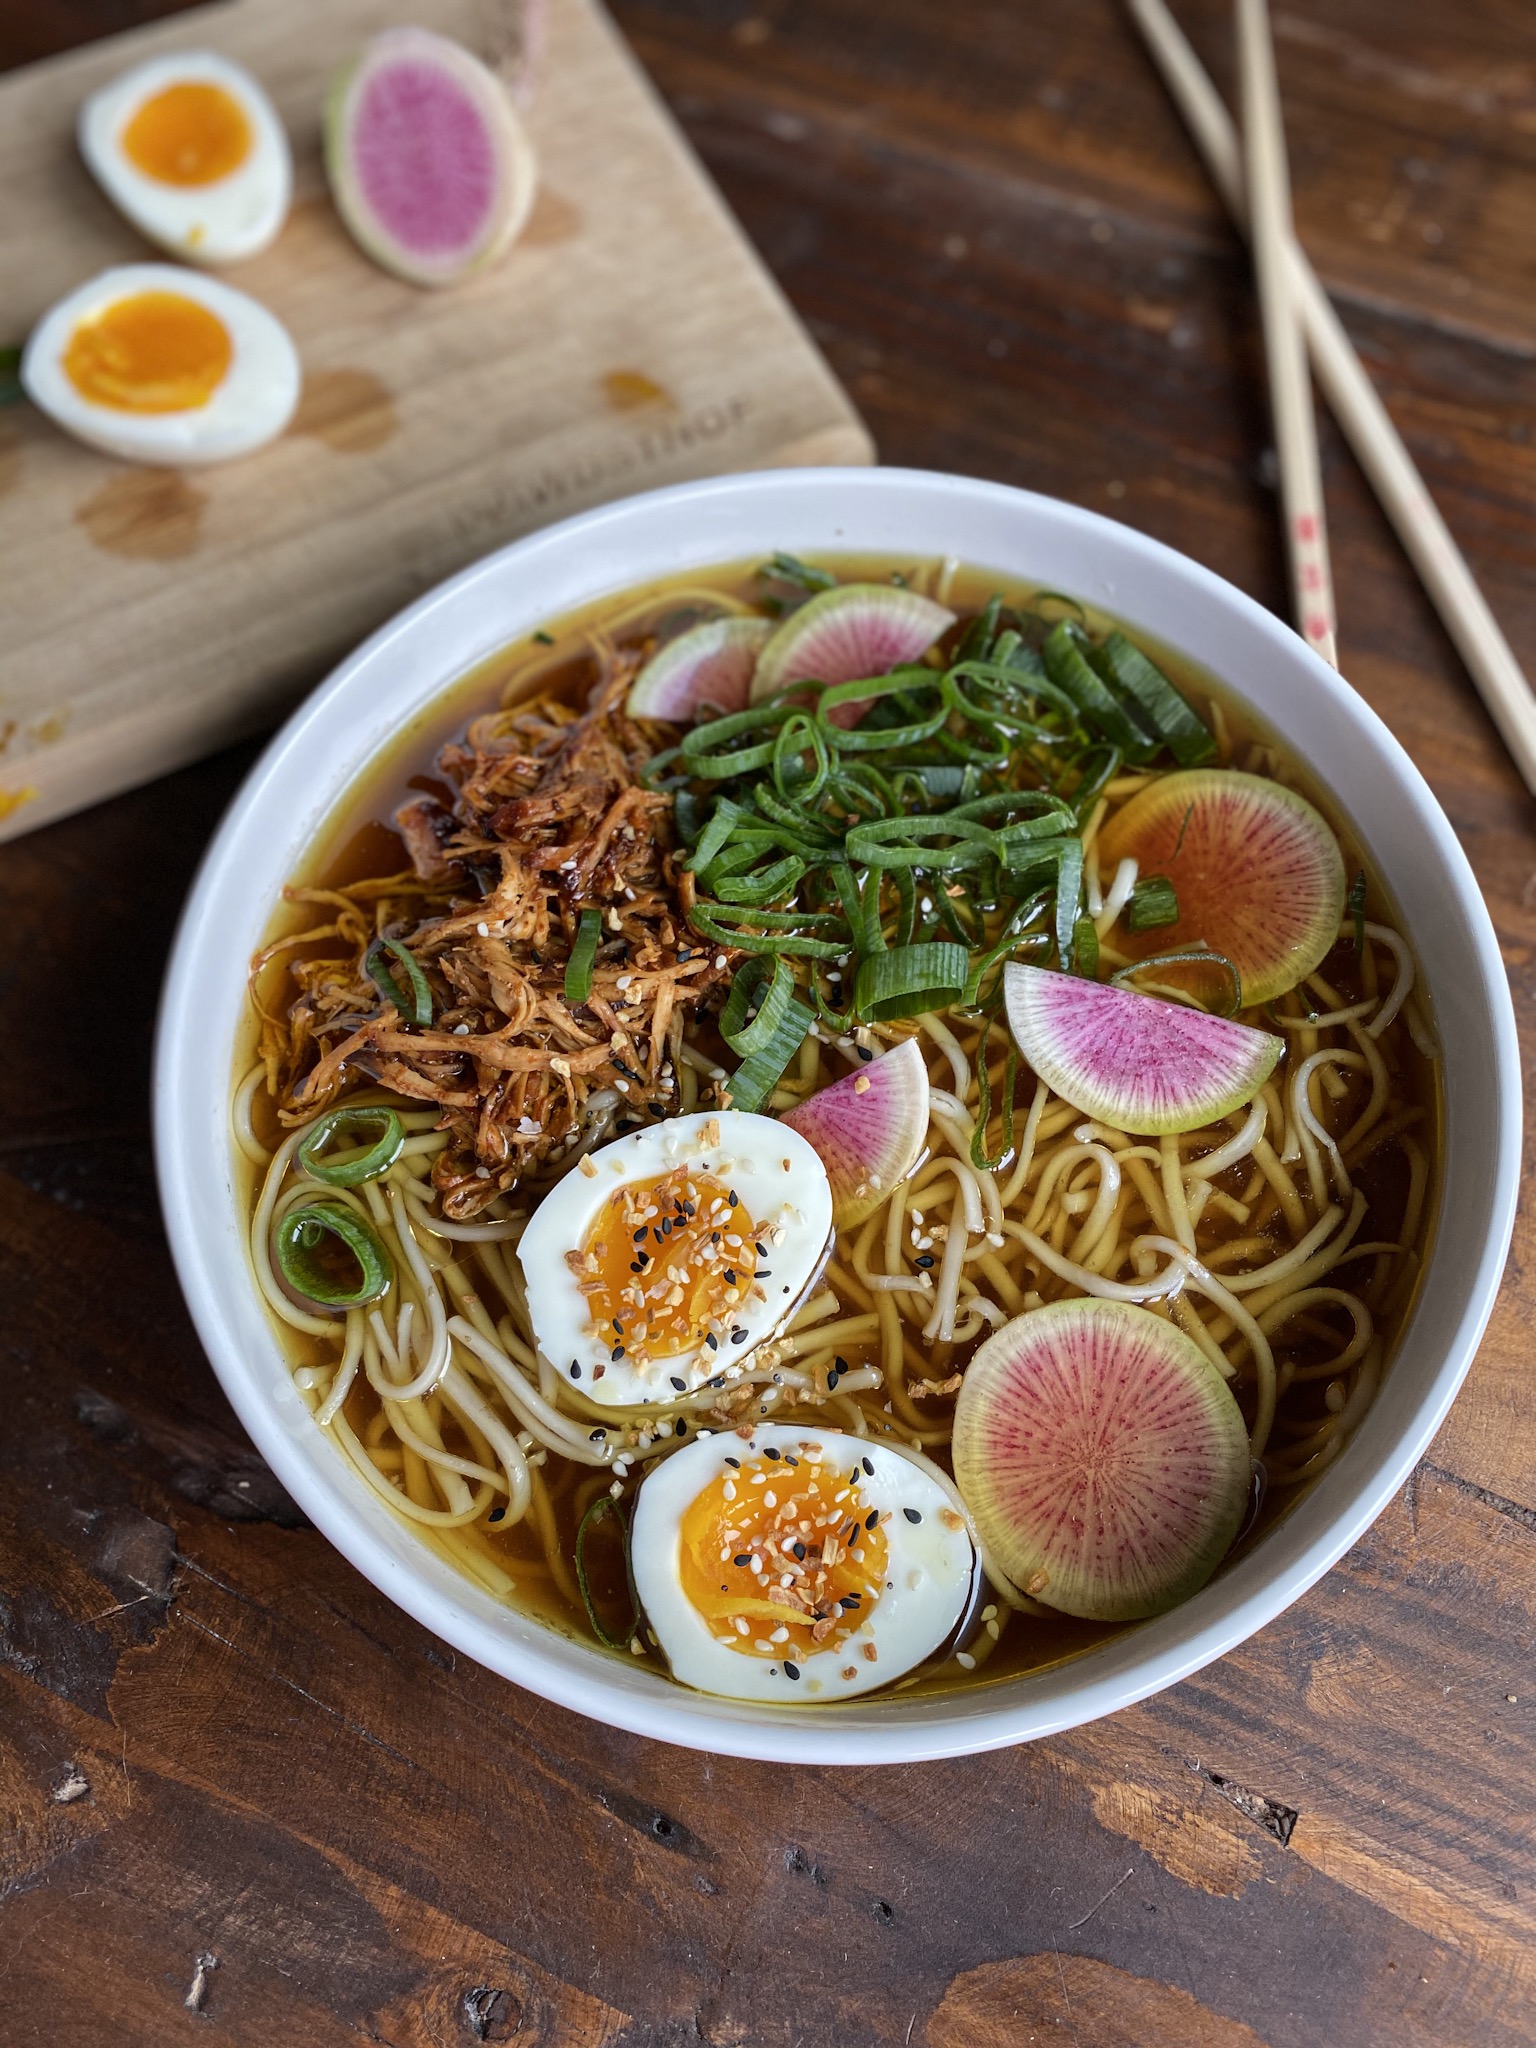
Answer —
216 1740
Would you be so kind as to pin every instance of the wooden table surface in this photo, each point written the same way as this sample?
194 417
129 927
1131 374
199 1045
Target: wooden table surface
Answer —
247 1801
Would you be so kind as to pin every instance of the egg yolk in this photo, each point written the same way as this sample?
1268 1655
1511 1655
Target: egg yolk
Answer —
783 1557
189 134
666 1266
151 352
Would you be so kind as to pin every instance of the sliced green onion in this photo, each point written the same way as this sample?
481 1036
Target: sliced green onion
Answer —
980 1157
1355 901
350 1171
748 1037
605 1504
759 1073
413 998
1070 670
784 568
578 969
1197 956
1182 730
906 981
976 641
1085 949
791 932
1154 902
298 1240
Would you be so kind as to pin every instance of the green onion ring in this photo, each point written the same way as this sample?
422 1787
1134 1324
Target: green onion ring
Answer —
578 969
605 1504
351 1173
297 1238
414 1000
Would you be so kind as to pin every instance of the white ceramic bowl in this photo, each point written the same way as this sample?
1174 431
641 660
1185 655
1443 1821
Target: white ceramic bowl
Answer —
355 714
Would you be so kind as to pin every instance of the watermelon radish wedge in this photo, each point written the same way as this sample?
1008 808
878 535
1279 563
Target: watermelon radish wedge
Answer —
1256 869
843 635
1136 1062
429 164
1103 1458
868 1129
709 664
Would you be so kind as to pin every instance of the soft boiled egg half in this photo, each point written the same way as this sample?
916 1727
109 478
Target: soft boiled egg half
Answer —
190 148
659 1261
787 1564
161 365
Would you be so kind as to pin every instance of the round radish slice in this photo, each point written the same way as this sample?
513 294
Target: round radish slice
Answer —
429 164
1103 1458
843 635
1134 1061
709 664
868 1129
1256 869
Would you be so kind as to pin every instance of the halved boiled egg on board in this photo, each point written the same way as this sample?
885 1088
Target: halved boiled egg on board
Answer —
660 1261
190 148
785 1563
161 365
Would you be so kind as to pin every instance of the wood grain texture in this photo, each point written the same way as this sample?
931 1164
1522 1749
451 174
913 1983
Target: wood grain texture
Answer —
630 338
216 1741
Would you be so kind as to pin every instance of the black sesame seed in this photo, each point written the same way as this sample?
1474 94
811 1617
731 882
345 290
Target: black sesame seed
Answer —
734 1463
869 1469
799 1550
640 1235
925 1261
791 1670
744 1559
841 1364
912 1514
682 1428
731 1198
666 1226
496 1514
770 1452
595 1436
832 1380
681 1385
765 1272
849 1600
635 1266
790 1460
616 1354
575 1370
730 1277
865 1053
871 1518
712 1340
738 1336
718 1380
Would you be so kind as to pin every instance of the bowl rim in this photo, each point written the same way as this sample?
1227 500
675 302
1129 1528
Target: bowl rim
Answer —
192 1152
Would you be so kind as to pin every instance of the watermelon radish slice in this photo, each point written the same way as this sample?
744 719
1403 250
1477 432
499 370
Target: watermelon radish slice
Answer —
1256 869
843 635
709 664
1134 1061
868 1129
1103 1457
429 165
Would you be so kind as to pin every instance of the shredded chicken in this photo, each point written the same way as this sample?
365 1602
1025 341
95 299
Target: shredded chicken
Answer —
549 818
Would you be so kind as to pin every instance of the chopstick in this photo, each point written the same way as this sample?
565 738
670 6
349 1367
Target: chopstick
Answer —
1356 405
1285 348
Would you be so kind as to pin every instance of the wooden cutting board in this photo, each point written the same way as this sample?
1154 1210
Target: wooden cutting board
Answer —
630 338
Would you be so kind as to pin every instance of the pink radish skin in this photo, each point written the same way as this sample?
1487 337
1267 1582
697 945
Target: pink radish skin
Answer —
868 1138
709 664
429 164
1134 1061
843 635
1103 1457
